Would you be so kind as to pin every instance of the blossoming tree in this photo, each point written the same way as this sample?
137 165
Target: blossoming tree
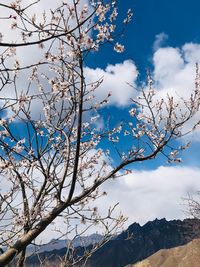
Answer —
51 155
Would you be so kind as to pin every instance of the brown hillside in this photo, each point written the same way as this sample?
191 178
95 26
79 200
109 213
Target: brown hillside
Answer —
183 256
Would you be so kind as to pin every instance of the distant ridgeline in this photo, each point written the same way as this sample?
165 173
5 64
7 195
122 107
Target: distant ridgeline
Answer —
134 244
139 242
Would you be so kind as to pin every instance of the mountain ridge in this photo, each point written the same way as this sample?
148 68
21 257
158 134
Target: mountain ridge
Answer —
139 242
135 244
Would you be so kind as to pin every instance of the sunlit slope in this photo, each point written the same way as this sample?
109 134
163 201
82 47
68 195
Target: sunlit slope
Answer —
183 256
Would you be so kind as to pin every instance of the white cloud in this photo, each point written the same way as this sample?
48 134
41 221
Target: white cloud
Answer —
116 79
159 40
167 62
146 195
191 52
143 196
38 9
28 55
174 74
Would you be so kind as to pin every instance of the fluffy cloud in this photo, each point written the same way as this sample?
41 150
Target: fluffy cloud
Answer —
146 195
159 40
116 79
174 73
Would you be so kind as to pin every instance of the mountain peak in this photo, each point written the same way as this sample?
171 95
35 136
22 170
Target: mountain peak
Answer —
138 242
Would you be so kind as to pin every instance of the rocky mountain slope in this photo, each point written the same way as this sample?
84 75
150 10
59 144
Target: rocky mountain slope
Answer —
135 244
184 256
139 242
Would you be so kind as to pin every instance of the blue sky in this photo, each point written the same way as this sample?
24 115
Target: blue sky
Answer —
164 37
157 188
177 21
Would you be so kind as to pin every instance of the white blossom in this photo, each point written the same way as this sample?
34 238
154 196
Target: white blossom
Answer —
119 48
